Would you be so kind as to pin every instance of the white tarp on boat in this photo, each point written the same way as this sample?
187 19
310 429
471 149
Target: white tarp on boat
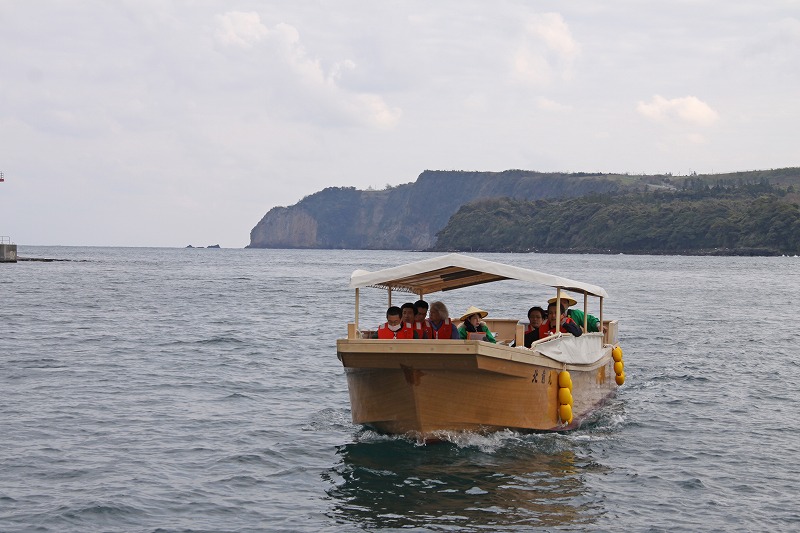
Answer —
582 350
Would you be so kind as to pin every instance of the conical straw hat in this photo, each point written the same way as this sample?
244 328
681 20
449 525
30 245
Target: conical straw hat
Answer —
473 310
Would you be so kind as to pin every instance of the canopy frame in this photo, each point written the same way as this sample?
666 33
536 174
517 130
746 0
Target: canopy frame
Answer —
457 271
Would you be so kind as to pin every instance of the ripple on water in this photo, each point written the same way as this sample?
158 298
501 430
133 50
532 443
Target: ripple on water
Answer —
201 409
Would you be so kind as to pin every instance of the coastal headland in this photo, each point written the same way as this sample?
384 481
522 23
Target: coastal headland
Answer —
741 213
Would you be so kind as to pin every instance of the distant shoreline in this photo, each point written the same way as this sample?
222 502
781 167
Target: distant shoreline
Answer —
720 252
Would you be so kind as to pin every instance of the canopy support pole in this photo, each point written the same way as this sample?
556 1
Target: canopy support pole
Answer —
601 314
585 312
558 308
357 300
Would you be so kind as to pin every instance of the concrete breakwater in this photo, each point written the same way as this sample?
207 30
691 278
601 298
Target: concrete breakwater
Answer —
8 253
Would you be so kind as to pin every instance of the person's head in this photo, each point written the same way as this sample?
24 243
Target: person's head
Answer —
421 310
566 301
393 315
536 316
408 312
439 312
473 315
551 313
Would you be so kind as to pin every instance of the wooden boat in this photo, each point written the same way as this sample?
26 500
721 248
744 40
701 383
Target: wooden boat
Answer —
427 388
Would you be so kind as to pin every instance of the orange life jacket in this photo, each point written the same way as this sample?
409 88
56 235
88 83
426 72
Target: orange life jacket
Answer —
445 331
406 331
545 331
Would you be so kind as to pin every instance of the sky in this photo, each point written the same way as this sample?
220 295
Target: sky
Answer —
170 123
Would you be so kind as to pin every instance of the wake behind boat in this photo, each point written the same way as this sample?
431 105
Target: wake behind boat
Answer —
426 387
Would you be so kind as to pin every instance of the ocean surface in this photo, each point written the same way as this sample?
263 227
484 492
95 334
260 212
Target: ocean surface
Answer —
167 390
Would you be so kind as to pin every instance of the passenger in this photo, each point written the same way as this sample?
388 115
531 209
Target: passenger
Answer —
472 324
395 328
535 318
536 315
592 323
421 314
439 324
409 311
421 308
567 324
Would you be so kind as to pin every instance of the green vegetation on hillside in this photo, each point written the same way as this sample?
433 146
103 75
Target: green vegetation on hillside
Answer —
729 217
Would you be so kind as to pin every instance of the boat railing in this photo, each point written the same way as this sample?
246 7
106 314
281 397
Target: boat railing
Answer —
609 335
611 331
555 335
505 331
354 333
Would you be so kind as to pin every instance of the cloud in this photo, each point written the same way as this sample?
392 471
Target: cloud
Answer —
545 104
548 50
376 112
237 28
296 57
553 31
308 91
696 138
688 109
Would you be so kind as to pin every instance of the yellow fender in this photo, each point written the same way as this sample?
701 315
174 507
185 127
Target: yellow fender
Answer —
565 397
565 412
616 353
619 365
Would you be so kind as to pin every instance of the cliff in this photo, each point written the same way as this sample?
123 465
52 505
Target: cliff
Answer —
750 219
409 216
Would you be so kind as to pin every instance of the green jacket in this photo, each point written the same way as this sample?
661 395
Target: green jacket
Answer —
592 323
462 332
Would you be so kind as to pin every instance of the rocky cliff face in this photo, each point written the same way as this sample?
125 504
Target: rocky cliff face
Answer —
406 217
284 227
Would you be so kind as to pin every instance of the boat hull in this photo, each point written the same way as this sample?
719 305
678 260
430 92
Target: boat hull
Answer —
428 387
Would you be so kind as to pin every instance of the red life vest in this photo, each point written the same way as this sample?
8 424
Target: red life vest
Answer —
445 331
545 331
427 331
529 327
405 331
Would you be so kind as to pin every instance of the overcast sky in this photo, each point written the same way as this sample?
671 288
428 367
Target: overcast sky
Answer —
158 123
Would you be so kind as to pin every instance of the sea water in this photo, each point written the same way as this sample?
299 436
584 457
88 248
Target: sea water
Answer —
146 390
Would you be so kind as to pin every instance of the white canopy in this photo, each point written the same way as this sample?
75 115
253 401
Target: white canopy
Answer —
454 271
